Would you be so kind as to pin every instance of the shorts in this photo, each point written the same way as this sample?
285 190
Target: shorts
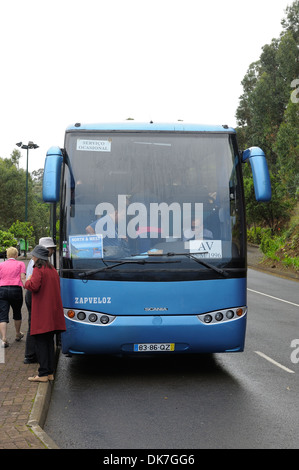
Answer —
10 296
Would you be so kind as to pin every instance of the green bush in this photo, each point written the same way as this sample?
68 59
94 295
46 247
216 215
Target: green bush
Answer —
6 239
254 235
270 244
291 262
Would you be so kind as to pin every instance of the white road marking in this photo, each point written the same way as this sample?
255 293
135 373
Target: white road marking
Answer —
275 298
274 362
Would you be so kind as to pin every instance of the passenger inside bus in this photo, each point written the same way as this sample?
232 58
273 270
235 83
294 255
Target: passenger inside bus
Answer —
197 231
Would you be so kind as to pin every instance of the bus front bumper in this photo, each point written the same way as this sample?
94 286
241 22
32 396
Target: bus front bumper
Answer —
154 334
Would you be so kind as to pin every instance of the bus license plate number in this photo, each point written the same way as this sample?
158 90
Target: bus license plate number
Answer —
154 347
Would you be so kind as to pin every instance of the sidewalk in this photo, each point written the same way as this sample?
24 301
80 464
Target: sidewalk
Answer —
22 403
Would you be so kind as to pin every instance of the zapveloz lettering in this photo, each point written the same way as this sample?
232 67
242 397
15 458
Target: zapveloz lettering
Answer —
92 300
170 459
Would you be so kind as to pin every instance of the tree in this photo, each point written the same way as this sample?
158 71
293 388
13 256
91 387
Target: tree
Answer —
271 214
267 117
243 113
15 157
12 193
267 86
291 21
37 180
41 220
22 230
12 196
287 148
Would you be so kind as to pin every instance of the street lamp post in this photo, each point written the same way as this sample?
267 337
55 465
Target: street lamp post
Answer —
30 145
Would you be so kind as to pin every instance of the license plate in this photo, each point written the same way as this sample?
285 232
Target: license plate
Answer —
154 347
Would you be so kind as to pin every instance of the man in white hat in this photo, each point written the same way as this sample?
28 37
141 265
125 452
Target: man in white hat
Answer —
48 243
30 355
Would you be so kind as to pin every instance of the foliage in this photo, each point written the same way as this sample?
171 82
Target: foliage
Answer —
22 230
40 220
255 234
287 149
291 21
268 117
12 193
270 245
273 214
6 240
281 246
12 196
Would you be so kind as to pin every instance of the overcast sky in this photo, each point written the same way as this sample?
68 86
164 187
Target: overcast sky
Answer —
67 61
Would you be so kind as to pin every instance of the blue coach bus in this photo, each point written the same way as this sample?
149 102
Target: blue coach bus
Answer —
152 251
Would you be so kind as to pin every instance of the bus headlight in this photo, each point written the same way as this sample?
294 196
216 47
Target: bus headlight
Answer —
207 318
230 314
92 317
104 319
81 316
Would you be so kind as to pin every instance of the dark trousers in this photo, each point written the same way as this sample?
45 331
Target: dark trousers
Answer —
10 296
30 343
44 346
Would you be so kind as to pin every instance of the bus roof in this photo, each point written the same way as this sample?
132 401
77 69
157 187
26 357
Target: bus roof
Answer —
131 125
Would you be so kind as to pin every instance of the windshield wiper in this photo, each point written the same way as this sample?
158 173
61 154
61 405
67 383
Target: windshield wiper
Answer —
120 263
200 261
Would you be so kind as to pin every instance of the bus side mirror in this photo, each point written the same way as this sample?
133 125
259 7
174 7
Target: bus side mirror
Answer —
260 173
52 171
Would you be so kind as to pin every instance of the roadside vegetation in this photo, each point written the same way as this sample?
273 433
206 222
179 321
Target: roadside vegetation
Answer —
268 117
12 207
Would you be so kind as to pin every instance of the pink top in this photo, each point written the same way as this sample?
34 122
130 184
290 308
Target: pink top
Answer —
10 272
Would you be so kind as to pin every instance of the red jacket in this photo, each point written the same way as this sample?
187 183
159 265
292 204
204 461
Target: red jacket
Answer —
46 309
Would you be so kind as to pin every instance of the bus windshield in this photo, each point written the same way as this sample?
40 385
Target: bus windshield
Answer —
155 203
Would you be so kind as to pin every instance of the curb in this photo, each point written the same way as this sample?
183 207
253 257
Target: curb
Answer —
40 410
38 414
266 270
